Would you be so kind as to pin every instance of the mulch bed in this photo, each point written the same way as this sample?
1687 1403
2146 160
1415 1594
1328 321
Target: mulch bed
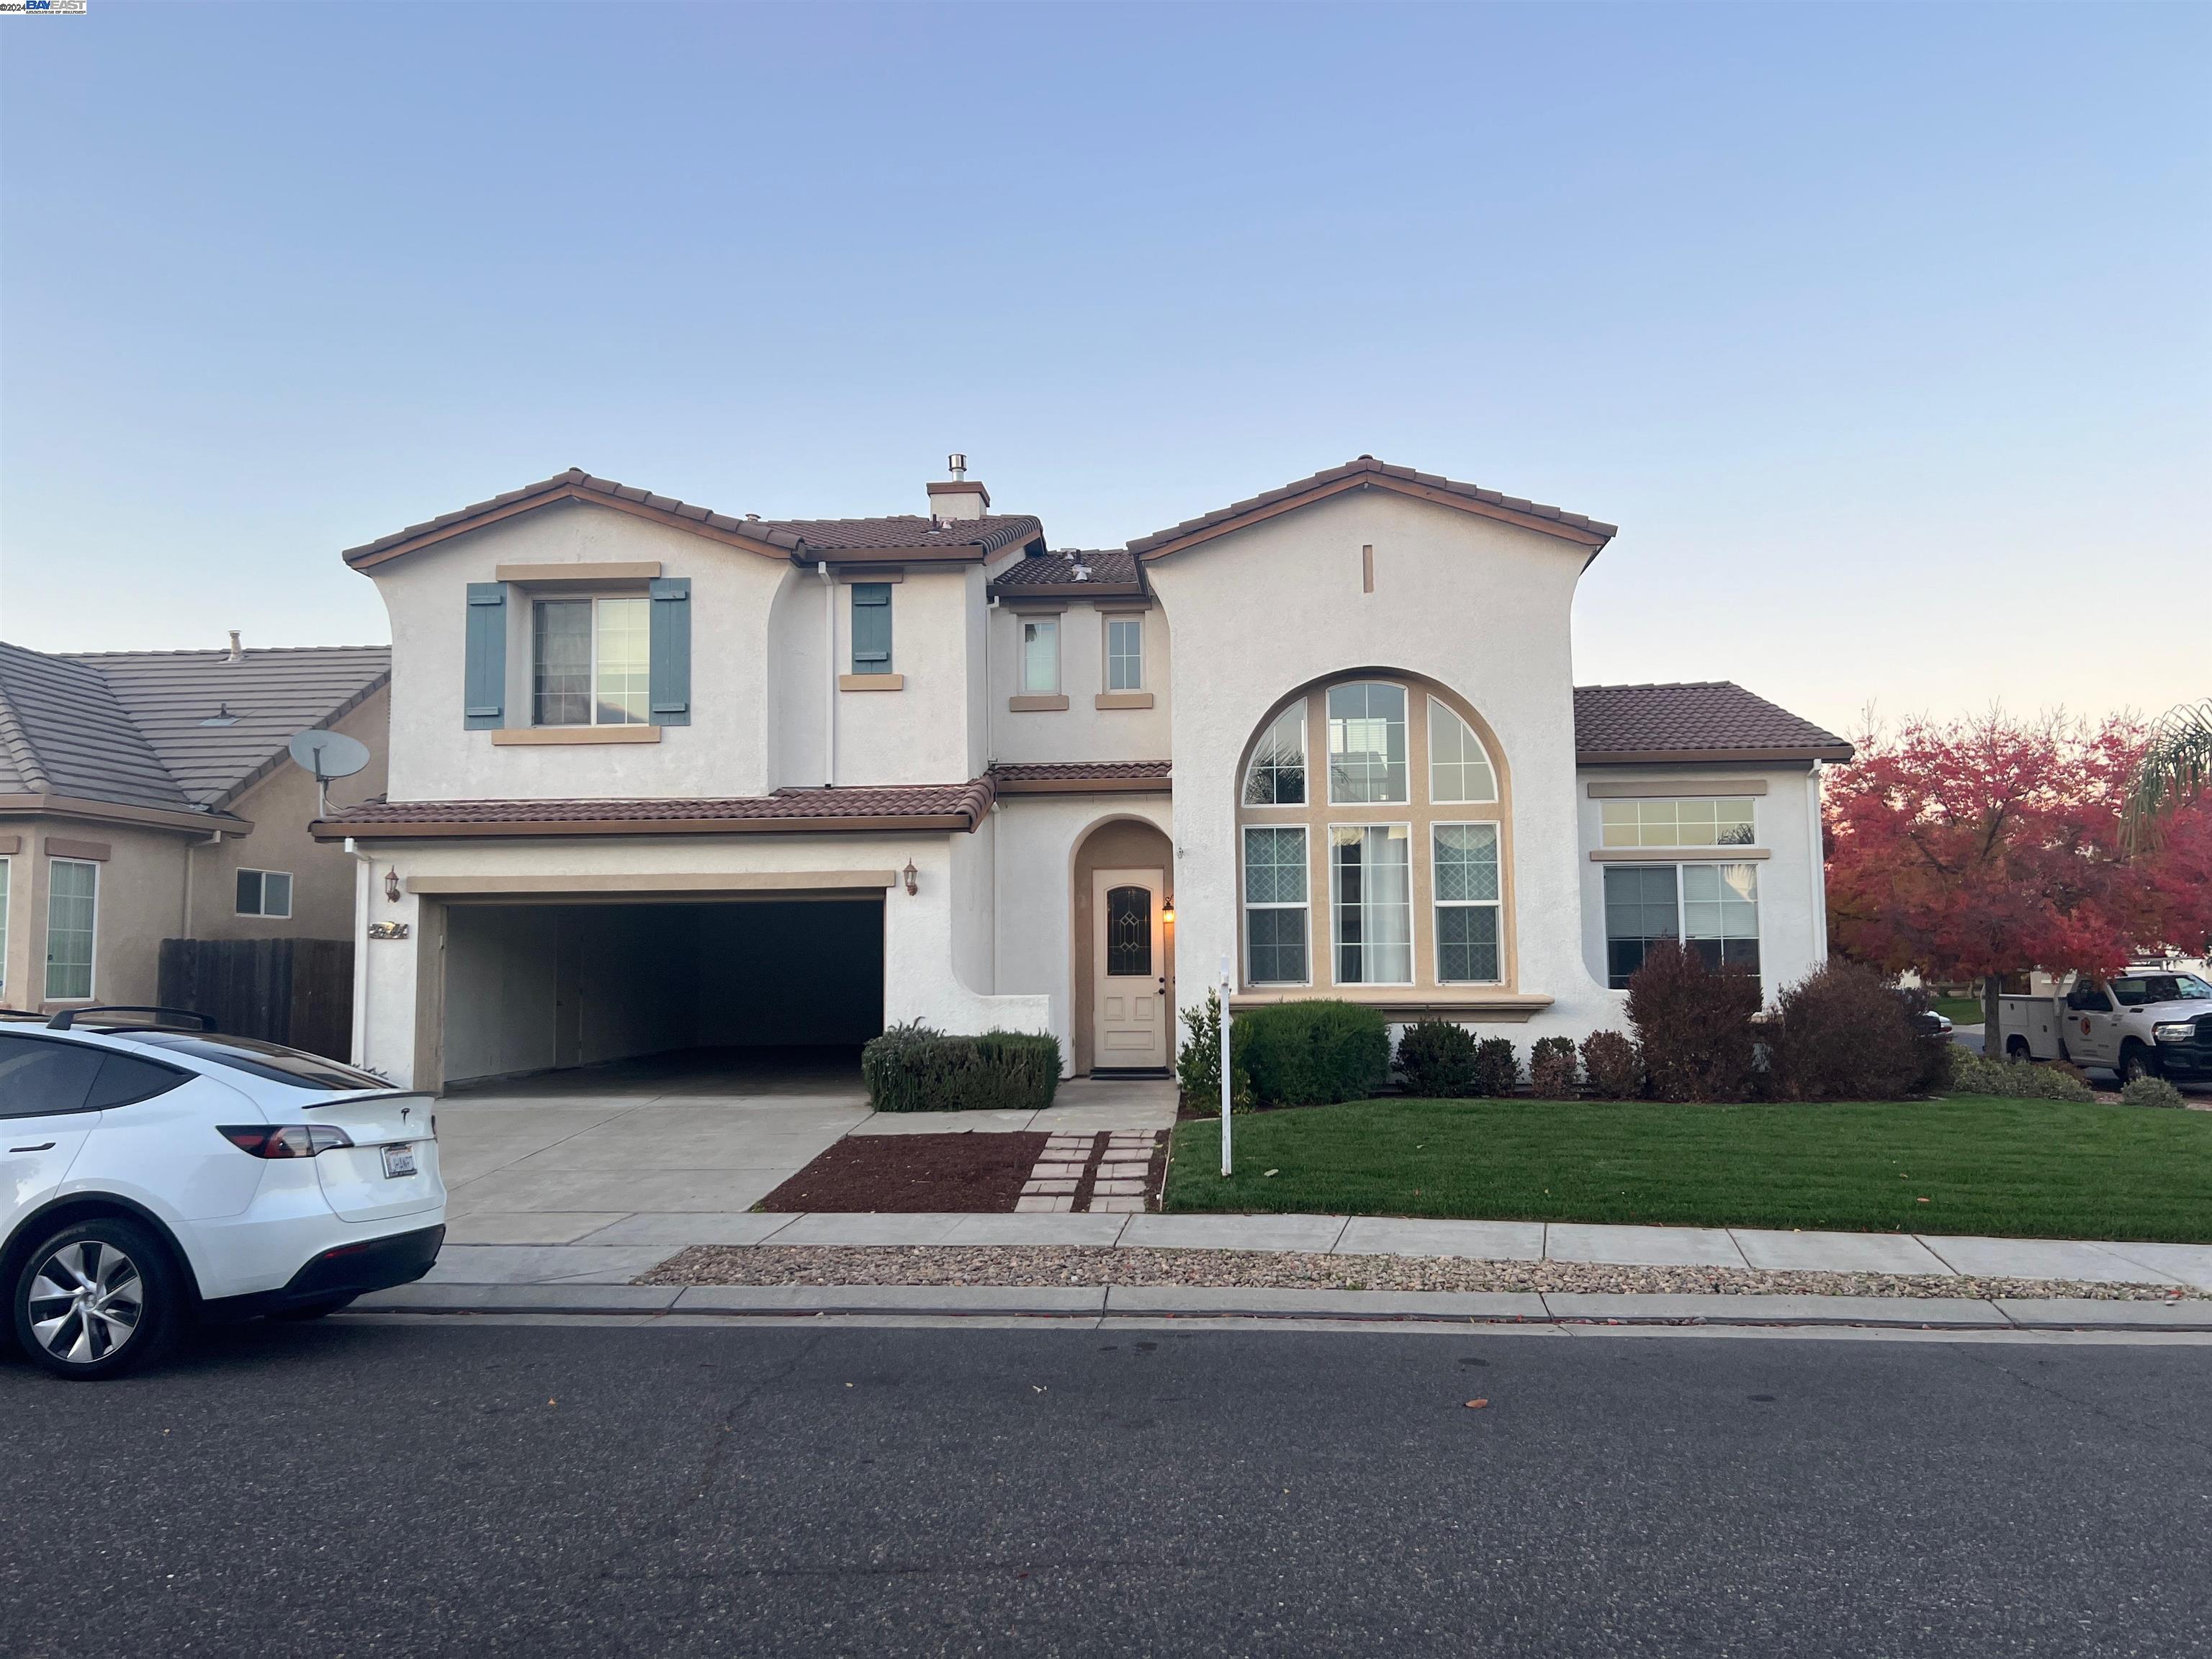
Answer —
912 1174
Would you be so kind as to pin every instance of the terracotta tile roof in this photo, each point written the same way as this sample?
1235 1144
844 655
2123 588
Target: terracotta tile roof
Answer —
1703 720
1112 571
892 806
1367 471
798 538
271 695
1080 777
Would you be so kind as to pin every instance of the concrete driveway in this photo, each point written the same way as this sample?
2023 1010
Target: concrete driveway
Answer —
674 1150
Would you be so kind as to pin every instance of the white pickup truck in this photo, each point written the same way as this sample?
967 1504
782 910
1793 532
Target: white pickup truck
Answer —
2146 1021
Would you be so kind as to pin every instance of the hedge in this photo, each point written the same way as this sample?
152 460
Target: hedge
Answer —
1312 1053
912 1068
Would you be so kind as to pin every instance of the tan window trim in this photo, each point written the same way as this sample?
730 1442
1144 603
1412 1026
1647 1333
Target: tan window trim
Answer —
1035 607
1670 788
630 574
1402 1002
1678 854
1121 700
872 682
11 844
888 573
526 736
1036 702
90 852
1122 607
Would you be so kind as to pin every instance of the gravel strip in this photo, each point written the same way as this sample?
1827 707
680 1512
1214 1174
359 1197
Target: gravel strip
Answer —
1085 1265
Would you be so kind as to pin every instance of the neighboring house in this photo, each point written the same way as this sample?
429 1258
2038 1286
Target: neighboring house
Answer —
662 777
147 795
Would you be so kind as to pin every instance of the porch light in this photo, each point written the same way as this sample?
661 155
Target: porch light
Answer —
392 883
910 872
1167 911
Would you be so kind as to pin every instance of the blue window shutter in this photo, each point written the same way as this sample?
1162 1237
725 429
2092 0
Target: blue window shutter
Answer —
871 628
483 677
671 689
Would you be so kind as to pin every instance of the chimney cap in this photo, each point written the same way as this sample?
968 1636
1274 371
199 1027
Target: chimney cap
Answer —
237 652
956 465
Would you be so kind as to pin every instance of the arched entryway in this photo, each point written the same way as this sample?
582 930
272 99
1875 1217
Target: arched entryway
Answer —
1124 948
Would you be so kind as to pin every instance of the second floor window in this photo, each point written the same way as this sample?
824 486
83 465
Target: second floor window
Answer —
1041 655
871 628
589 662
1125 654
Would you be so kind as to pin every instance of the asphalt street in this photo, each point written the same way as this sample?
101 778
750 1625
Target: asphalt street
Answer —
363 1487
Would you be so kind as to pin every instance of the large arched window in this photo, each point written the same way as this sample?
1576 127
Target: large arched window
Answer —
1388 868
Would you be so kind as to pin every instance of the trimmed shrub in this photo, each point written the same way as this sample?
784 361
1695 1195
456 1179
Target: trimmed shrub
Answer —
1552 1070
1437 1058
1845 1035
1497 1068
1198 1063
1615 1065
1693 1024
2016 1080
912 1068
2151 1092
1312 1053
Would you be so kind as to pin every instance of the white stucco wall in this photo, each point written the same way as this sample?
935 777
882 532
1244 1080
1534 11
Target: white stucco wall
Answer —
927 731
1480 606
723 751
1082 731
923 946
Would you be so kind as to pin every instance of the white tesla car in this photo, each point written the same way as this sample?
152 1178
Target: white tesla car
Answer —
151 1173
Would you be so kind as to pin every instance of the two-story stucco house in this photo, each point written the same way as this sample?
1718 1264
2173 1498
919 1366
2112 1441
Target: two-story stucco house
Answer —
664 778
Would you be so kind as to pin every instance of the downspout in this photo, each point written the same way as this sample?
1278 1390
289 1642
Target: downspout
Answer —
185 928
362 888
829 666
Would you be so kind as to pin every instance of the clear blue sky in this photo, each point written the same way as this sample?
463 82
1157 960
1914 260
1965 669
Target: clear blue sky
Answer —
1884 333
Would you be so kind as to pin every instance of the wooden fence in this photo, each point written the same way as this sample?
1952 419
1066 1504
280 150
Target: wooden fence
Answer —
294 991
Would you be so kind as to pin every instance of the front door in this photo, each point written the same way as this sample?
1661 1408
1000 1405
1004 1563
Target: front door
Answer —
1129 969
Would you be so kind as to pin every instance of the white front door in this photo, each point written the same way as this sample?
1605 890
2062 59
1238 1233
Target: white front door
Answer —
1129 969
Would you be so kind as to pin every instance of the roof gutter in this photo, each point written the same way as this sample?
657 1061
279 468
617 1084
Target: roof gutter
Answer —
109 811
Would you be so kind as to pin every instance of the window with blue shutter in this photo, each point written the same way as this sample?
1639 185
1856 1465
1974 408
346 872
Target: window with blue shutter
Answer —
484 674
871 628
670 655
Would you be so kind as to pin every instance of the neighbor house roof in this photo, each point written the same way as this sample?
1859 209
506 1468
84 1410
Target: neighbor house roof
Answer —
1368 473
126 729
910 536
1110 573
890 807
1693 720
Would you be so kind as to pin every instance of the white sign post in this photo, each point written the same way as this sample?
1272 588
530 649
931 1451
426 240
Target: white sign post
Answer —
1226 1071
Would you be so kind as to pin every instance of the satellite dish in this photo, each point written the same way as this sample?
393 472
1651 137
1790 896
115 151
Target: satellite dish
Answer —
329 754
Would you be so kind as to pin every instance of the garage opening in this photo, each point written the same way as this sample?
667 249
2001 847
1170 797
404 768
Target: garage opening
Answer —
732 986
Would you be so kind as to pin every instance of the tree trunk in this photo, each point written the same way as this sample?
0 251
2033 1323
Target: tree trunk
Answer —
1992 1039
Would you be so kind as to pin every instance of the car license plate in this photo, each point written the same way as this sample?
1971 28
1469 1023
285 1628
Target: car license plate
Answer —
399 1161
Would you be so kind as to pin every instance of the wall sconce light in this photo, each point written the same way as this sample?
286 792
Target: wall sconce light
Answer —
910 872
1167 910
392 883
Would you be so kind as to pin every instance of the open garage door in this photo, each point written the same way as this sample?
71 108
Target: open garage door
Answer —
533 987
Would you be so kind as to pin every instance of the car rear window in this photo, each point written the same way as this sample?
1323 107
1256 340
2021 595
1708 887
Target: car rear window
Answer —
270 1062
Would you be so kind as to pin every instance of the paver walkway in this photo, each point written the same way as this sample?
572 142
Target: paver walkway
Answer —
619 1252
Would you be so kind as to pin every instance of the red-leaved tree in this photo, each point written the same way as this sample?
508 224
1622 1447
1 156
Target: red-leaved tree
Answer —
1990 846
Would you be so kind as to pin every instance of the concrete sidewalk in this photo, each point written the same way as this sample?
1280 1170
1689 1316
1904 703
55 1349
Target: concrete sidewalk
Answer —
620 1250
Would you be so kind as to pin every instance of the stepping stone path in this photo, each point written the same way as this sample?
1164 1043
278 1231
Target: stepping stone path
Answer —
1109 1173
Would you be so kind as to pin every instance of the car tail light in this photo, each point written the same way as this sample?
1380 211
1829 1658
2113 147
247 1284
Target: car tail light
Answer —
287 1139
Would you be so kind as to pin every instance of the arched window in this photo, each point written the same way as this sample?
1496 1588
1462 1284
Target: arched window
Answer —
1395 873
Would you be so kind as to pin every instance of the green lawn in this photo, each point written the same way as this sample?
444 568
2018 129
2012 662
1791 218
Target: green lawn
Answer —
1963 1010
2026 1168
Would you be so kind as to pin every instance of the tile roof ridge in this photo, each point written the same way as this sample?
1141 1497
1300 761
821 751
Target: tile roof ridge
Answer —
88 656
1664 685
17 742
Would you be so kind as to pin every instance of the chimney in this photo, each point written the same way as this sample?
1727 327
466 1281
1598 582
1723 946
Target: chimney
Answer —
237 651
960 498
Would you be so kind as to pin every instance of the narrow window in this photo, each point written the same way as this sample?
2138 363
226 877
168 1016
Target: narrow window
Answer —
1640 907
1275 905
1371 883
589 662
1129 932
1125 654
1277 777
1720 914
1459 769
264 893
871 628
72 911
1467 903
1041 655
1366 743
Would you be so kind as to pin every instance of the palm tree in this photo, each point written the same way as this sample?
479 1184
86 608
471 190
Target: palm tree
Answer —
2176 767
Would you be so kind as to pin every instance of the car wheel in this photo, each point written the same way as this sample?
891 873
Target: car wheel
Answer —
2136 1061
97 1299
307 1310
2016 1048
